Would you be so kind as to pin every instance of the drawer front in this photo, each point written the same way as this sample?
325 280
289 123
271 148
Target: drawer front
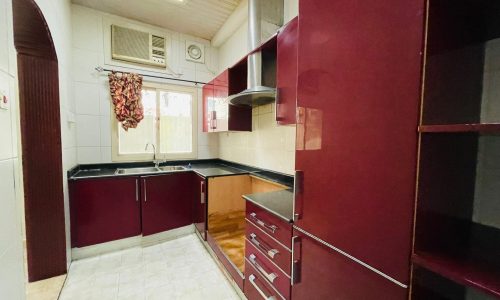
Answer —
272 225
256 287
273 250
274 275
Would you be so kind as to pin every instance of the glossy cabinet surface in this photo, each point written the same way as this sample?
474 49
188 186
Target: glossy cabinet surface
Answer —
104 210
286 73
218 114
200 205
359 71
167 202
325 274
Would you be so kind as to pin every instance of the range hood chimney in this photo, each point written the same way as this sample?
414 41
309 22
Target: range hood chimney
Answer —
256 94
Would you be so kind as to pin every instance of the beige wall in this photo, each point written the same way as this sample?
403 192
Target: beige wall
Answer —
12 274
268 146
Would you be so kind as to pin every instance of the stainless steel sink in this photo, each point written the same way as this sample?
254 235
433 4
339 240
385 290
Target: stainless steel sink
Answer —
171 168
130 171
148 170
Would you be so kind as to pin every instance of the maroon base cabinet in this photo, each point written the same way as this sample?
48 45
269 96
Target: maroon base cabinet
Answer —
166 202
200 206
104 210
326 274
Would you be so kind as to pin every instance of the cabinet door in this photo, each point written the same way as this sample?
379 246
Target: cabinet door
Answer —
286 73
200 207
358 97
104 210
208 98
221 92
326 274
167 202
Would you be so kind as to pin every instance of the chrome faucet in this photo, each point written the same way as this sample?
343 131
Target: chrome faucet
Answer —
155 161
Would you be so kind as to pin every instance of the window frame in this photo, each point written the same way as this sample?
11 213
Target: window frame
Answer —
158 87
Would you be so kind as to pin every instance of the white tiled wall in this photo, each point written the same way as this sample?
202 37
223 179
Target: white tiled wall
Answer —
268 146
91 90
12 276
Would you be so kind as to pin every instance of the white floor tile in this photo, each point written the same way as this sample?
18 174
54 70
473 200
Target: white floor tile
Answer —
177 269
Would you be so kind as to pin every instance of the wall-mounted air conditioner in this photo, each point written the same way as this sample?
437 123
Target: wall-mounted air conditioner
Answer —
138 47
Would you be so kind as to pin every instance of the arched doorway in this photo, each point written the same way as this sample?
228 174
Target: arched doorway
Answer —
41 142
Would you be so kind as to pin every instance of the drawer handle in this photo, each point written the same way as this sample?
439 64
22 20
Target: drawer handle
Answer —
270 276
270 228
263 247
264 296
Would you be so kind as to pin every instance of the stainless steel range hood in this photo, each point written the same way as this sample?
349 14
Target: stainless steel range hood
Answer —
256 94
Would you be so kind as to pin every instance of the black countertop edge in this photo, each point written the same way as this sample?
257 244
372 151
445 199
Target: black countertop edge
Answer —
108 169
278 203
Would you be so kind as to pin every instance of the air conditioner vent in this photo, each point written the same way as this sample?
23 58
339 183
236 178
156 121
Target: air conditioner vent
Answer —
137 46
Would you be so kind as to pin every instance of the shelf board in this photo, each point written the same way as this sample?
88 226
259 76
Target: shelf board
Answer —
484 127
484 277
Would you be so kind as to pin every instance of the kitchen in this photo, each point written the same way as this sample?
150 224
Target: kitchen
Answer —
234 149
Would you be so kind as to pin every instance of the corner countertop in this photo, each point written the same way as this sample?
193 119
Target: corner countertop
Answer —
205 168
279 203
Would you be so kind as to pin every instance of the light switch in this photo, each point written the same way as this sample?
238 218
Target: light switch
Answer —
4 101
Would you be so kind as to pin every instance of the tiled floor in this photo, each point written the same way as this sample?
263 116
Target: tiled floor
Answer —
178 269
48 289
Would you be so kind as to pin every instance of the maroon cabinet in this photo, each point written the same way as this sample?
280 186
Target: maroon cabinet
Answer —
324 273
104 210
286 73
166 202
208 97
200 206
359 70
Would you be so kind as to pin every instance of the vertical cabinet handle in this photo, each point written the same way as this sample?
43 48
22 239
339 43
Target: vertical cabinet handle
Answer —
269 276
270 228
137 189
145 191
296 254
202 192
252 278
276 104
298 185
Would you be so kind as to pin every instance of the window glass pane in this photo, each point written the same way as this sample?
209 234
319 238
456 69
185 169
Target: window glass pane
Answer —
134 140
176 122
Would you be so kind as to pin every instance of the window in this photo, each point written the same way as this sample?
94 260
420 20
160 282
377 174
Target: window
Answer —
169 123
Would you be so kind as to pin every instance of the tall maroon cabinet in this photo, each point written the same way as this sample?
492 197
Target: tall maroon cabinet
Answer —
359 68
286 73
166 202
104 209
200 206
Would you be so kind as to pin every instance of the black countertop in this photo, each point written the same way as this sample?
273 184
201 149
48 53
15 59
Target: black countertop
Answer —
206 168
279 203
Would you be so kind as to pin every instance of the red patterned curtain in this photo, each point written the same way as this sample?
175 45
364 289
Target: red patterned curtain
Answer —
125 91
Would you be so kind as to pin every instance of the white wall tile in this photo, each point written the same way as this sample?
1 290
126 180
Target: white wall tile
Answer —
84 63
105 125
6 130
87 98
88 132
89 155
87 31
4 50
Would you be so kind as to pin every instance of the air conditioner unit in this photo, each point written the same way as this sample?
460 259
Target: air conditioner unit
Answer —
138 47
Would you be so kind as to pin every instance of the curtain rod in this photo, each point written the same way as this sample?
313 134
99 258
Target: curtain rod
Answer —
101 69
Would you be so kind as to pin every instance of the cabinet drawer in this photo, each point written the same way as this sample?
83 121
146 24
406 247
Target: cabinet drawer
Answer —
272 225
256 287
276 277
273 250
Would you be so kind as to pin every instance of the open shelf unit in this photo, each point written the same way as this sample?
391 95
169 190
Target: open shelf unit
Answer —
457 224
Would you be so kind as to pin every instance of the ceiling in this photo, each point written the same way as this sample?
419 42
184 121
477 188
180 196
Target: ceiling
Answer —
200 18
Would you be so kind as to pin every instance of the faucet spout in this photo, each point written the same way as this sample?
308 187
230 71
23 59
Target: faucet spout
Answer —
157 162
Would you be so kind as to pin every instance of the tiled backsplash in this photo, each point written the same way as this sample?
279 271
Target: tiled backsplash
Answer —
268 146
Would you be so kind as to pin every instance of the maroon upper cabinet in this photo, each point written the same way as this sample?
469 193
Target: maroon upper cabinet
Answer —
167 202
104 210
326 274
218 114
200 207
359 69
208 98
286 73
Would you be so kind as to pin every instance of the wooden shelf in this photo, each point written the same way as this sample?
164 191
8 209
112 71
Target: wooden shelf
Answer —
463 270
486 127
